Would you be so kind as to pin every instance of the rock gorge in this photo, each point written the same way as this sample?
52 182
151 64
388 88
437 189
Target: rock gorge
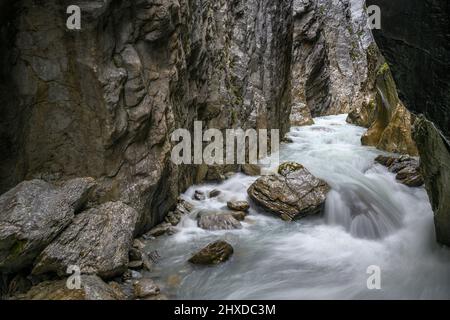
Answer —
416 42
86 116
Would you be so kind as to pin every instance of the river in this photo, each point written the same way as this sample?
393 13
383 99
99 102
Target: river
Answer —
370 220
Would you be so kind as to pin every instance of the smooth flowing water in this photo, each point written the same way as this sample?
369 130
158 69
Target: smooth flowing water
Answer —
369 219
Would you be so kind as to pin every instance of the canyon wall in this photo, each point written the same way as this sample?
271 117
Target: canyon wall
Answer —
102 102
415 40
334 56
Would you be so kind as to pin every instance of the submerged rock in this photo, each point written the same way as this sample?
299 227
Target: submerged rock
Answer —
214 193
214 253
406 168
292 193
217 220
92 288
98 241
32 214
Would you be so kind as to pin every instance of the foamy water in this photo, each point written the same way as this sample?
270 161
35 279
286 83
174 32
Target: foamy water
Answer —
369 219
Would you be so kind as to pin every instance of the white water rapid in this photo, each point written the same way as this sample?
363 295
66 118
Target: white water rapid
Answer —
370 219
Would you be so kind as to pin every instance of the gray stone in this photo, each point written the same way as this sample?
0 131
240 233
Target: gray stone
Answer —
32 214
98 241
291 194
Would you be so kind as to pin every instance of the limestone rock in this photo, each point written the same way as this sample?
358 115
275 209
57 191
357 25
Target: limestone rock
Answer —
291 194
98 241
214 253
32 214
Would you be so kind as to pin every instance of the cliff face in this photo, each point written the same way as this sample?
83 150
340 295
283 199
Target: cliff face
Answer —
334 56
388 120
102 102
415 40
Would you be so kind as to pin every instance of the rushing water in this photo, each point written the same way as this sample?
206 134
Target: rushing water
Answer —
369 219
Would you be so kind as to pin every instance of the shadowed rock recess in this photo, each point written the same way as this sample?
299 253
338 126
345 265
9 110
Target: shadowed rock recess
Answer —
415 40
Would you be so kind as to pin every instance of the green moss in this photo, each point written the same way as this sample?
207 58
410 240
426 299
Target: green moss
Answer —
17 247
383 69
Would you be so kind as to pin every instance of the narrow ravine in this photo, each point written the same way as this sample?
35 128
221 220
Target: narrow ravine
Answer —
370 219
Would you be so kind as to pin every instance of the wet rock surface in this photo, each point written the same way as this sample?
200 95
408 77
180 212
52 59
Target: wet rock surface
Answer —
214 253
407 169
291 194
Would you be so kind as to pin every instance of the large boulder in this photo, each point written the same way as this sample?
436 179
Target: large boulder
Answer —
292 193
217 220
32 214
214 253
98 242
91 288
